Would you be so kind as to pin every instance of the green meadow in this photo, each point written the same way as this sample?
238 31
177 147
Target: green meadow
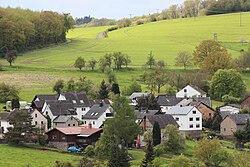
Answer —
35 72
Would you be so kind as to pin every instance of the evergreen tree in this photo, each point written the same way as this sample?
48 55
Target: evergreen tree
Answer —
115 88
149 156
156 134
15 103
22 128
216 122
119 157
103 92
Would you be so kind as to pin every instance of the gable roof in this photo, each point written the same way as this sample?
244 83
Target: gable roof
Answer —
41 99
140 114
231 105
162 119
177 110
98 101
96 111
223 114
4 116
63 118
137 94
239 119
185 102
80 130
80 98
196 104
198 89
165 100
61 107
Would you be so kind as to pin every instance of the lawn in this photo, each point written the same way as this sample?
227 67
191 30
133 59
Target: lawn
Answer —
21 157
35 72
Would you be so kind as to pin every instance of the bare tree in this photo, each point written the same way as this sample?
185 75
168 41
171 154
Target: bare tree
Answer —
183 59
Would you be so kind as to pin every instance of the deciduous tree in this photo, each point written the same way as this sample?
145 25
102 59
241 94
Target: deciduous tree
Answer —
11 56
151 60
58 87
79 63
8 92
92 63
183 59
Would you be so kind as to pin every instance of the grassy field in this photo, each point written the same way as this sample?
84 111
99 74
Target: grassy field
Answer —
36 71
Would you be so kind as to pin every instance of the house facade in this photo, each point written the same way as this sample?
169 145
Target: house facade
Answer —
207 112
233 122
4 123
167 102
97 114
189 119
65 137
39 120
65 121
190 91
232 108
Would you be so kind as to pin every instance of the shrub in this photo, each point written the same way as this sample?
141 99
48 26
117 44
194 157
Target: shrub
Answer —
112 28
42 140
159 150
139 22
89 150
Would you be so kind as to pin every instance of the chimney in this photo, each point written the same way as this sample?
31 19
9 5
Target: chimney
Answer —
101 104
90 126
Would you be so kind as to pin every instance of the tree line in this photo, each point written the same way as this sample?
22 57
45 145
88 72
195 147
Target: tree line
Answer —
23 29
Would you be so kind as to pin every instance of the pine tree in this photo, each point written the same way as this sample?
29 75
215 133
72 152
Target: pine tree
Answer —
22 128
149 156
119 157
103 92
115 88
156 134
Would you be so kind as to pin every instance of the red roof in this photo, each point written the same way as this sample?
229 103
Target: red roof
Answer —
80 130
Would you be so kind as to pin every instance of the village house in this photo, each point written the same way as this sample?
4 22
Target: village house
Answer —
65 121
65 137
134 97
54 108
231 108
167 102
207 112
148 122
233 122
39 120
189 119
191 91
39 100
245 103
97 114
140 114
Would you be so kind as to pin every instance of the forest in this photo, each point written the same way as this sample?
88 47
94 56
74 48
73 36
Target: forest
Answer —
23 29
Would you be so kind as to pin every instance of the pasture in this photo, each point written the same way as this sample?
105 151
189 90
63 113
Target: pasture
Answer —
35 72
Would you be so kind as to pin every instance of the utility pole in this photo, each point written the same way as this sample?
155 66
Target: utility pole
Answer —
130 16
157 11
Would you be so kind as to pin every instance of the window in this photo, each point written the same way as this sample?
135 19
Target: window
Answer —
197 125
42 122
82 109
36 123
81 101
85 122
46 112
210 114
35 115
54 136
0 123
185 90
82 116
74 101
63 137
177 118
68 124
194 112
191 126
197 118
191 119
93 122
74 124
225 129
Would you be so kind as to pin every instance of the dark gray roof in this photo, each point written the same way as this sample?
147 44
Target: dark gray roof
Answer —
164 100
96 111
61 107
63 118
4 116
223 114
205 100
80 98
162 119
239 119
98 101
140 114
39 104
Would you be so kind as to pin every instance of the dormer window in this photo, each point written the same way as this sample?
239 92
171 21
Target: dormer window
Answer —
96 114
81 101
92 114
74 101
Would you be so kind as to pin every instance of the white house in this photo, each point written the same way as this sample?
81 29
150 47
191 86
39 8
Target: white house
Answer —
232 108
97 114
189 119
39 120
167 102
4 123
134 97
190 91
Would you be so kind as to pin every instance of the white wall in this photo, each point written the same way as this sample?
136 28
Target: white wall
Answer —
39 119
233 110
5 125
81 111
190 92
184 121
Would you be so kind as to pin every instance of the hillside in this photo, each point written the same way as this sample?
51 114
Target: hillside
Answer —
36 71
